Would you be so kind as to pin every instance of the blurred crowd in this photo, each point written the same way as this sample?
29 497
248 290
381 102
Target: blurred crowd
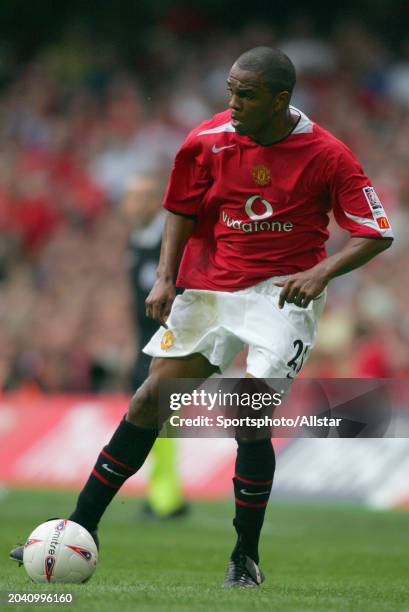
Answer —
77 124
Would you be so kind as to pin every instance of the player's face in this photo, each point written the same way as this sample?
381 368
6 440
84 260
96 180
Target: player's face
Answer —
253 106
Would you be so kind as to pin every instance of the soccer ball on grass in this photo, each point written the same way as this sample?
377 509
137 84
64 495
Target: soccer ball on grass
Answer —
60 551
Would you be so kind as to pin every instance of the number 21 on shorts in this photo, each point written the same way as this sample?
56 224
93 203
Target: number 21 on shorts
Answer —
296 362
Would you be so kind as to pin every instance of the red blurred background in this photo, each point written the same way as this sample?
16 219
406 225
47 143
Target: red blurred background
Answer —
83 111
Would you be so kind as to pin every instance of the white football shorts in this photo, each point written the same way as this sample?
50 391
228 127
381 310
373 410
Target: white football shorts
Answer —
218 324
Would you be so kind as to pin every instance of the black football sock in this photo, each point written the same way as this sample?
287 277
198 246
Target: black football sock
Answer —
120 459
253 479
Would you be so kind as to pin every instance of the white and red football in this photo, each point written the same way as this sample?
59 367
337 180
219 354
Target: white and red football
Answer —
60 551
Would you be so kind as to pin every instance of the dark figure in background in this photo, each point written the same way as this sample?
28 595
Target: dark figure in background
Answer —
141 207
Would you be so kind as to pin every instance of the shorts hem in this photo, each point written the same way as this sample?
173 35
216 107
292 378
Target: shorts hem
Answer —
203 352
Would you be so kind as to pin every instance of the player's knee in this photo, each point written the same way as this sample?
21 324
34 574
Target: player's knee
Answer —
143 407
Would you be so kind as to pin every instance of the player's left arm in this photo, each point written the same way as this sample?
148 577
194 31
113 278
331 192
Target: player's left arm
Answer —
358 210
302 287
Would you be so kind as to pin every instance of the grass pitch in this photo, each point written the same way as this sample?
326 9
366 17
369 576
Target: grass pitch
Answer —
314 557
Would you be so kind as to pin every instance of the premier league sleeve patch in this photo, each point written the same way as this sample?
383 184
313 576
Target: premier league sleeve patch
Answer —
376 207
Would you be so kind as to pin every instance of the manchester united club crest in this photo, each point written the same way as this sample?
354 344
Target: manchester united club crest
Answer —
168 340
261 175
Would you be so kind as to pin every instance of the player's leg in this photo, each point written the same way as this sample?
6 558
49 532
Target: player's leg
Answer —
133 439
279 342
189 333
252 481
164 488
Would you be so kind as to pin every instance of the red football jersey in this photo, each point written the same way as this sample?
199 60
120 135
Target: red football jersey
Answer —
262 211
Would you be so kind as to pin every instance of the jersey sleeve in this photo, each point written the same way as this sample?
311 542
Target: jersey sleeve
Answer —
189 180
355 203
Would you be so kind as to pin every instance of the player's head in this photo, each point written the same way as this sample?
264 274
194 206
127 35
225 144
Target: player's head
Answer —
260 85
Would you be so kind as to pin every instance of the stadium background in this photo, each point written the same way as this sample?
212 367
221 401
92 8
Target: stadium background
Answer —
91 97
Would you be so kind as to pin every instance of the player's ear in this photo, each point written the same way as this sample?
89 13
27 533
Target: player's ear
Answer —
281 101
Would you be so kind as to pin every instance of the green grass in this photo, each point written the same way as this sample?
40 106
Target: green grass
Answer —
315 558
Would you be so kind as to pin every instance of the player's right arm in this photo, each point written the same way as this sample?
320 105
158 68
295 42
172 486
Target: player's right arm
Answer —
188 184
176 232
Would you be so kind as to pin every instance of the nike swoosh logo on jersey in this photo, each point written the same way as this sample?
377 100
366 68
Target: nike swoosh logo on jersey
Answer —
218 149
249 493
108 469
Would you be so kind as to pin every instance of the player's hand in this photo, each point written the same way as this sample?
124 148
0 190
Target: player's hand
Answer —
159 301
301 288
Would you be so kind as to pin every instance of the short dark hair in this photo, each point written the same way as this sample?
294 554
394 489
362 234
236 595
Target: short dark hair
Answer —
272 64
